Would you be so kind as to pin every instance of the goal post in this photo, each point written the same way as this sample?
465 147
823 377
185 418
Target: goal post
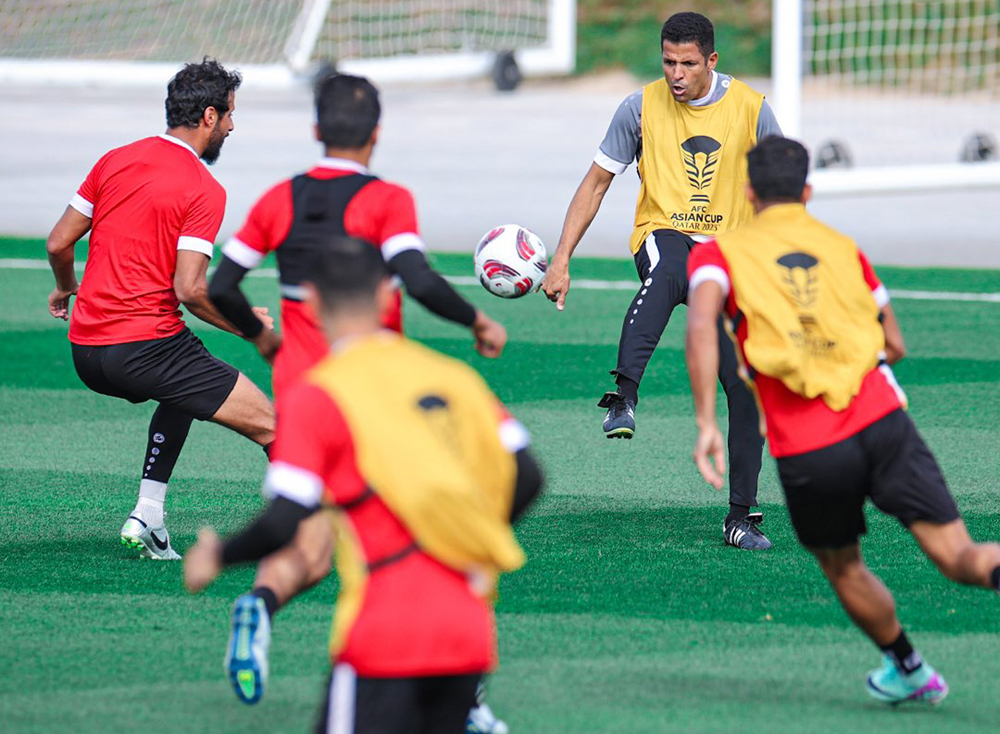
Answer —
899 87
278 42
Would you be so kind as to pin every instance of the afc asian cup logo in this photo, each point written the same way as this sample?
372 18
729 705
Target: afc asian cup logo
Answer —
701 157
798 275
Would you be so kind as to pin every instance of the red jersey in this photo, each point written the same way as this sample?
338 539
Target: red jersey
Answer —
147 200
796 424
381 213
415 616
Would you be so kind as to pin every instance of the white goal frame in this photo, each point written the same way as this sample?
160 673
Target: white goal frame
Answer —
788 44
556 57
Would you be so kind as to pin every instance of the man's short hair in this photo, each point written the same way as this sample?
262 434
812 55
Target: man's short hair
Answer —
778 168
690 28
347 271
347 111
197 87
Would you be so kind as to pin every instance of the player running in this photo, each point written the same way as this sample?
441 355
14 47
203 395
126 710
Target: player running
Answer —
806 306
688 133
153 210
422 471
295 219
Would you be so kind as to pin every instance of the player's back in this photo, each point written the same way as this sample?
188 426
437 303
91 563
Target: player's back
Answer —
427 497
419 419
149 199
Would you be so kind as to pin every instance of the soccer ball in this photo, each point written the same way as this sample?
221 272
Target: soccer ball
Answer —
510 261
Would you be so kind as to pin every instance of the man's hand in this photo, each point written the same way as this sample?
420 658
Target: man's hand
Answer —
203 562
268 342
261 313
59 302
490 336
710 446
556 283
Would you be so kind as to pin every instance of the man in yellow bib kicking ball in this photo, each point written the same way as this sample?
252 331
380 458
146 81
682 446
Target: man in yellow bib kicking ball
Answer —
689 134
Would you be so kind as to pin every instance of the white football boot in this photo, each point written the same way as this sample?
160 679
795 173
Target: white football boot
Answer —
149 541
481 719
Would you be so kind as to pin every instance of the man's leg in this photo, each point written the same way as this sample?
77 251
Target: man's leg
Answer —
746 445
356 705
825 491
904 675
447 702
248 411
909 485
862 595
662 268
956 556
280 577
144 530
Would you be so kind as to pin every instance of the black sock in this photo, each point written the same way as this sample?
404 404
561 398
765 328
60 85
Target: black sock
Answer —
737 513
270 599
995 578
901 651
628 388
168 431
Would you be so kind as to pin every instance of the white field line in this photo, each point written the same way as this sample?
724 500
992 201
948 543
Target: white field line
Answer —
580 283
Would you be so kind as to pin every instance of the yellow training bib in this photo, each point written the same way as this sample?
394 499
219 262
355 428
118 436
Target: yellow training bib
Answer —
812 321
693 166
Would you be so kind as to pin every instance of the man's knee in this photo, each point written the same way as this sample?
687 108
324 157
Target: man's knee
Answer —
249 411
839 563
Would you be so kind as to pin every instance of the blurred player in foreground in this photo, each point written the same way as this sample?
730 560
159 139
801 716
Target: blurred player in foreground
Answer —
806 307
153 211
295 219
689 134
422 471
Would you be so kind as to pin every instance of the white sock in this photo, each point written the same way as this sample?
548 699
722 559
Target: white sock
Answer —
149 508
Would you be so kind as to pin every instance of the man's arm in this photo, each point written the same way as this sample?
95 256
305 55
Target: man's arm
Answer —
191 289
702 353
767 123
273 529
228 298
435 294
528 484
895 348
582 210
72 225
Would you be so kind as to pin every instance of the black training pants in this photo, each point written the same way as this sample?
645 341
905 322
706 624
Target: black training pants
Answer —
662 267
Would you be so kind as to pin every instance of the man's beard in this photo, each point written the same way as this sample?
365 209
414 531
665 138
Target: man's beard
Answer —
214 147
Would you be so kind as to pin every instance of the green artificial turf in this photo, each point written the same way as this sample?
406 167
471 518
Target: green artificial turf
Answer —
631 616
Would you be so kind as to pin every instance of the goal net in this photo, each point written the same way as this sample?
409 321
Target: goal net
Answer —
893 83
122 41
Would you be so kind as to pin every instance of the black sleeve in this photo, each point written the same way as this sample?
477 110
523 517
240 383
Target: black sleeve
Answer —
225 294
528 484
431 290
273 529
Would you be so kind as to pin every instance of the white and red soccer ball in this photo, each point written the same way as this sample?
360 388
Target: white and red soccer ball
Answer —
510 261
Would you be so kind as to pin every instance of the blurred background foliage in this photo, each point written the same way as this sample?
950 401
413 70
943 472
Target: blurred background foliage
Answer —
625 34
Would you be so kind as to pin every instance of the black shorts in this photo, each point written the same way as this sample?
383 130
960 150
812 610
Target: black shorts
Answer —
888 461
432 705
176 371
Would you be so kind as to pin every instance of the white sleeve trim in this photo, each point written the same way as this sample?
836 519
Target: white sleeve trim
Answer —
711 273
513 435
881 296
401 243
241 253
82 205
197 244
609 164
293 483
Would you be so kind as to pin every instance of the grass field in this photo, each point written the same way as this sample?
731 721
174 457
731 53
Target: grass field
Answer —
631 616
